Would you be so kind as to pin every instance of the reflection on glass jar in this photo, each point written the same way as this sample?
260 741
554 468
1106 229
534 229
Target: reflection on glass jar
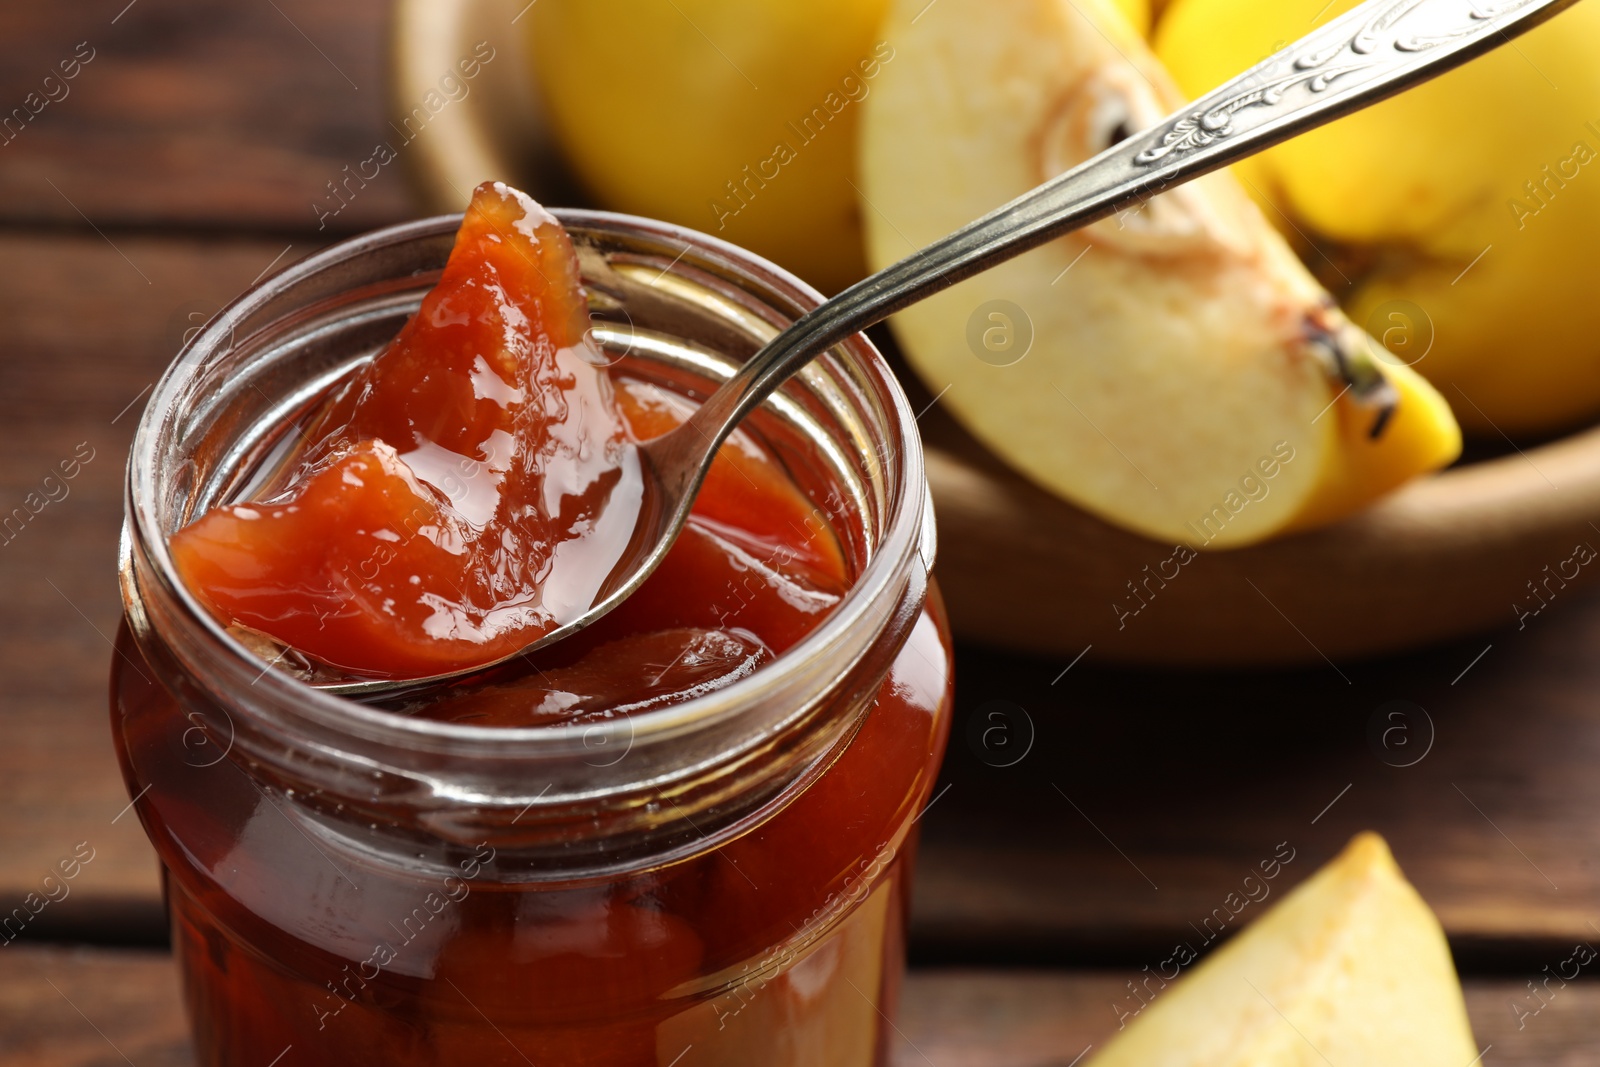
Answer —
721 881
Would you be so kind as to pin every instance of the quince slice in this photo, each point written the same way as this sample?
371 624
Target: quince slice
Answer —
1349 968
1174 370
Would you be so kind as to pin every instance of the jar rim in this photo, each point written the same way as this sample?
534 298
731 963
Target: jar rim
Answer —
906 537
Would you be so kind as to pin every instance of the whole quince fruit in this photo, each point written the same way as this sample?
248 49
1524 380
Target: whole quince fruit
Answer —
1457 221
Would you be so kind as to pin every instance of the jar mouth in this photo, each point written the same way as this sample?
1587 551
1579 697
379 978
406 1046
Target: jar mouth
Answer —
160 489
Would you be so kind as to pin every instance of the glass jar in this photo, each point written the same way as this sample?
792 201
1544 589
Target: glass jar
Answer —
723 881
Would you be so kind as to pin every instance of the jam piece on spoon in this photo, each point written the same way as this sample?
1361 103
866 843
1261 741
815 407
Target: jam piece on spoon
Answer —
467 491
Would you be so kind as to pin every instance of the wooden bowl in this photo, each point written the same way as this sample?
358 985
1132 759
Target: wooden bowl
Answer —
1483 545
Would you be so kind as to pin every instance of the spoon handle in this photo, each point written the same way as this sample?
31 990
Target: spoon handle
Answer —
1371 52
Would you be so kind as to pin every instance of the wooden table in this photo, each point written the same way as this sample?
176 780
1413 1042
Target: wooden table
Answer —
183 163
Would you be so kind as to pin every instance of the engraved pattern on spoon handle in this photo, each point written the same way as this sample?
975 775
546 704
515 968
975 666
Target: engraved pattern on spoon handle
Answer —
1376 46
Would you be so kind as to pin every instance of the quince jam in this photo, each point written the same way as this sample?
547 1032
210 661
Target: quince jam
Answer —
466 488
466 493
473 485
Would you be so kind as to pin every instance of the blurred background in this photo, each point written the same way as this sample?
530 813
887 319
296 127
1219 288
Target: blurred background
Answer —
1109 780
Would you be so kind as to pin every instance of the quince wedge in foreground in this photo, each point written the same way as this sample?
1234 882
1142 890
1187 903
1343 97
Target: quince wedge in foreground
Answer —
1349 968
1174 369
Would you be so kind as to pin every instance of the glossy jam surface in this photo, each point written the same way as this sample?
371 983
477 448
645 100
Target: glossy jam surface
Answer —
467 492
754 570
472 485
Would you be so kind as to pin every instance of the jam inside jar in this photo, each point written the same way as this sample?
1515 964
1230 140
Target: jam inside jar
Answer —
719 876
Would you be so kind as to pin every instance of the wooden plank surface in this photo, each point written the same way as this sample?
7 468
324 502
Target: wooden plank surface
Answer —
194 114
1147 796
86 1008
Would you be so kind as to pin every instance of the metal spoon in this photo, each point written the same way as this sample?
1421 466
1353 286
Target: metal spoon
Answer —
1366 55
